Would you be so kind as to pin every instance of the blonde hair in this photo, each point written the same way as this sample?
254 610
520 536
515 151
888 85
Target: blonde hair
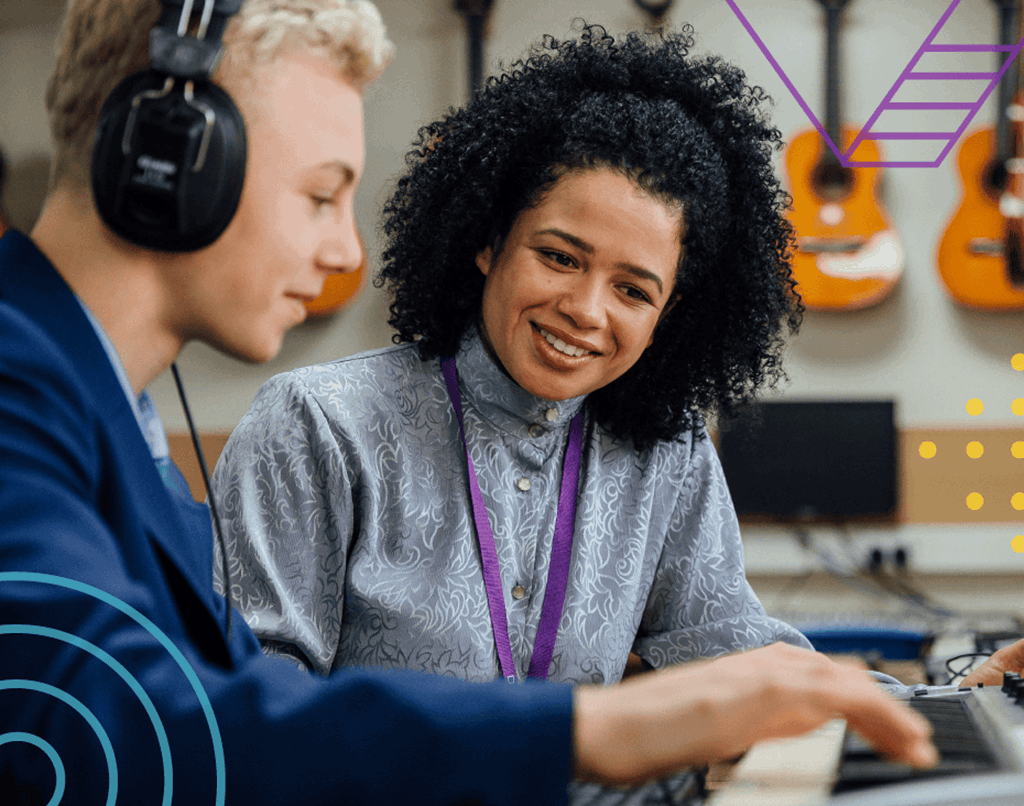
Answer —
103 41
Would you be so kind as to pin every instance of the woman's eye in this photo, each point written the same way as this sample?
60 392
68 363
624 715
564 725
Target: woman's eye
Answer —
560 258
636 293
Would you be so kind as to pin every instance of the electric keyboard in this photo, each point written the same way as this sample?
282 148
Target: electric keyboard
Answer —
979 733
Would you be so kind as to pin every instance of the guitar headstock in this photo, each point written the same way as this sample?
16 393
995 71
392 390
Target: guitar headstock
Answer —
834 5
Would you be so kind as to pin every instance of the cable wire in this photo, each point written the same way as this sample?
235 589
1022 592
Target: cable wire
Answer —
211 502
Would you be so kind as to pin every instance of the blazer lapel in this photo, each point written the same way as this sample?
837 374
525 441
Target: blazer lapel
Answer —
29 282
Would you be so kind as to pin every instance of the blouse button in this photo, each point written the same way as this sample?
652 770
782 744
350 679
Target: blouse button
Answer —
523 484
518 592
551 415
536 430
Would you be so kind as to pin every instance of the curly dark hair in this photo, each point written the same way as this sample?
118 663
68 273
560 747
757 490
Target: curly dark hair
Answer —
684 128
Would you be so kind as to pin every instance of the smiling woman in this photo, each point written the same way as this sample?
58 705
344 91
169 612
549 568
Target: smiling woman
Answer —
585 261
574 291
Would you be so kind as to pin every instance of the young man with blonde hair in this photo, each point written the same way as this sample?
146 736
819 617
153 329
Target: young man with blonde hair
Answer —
119 676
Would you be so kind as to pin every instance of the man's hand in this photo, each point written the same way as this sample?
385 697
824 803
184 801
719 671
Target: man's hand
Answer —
1007 659
710 711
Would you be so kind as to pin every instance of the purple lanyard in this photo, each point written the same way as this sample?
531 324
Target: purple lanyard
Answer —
561 547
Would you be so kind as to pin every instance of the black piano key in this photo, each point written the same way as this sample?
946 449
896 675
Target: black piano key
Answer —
962 751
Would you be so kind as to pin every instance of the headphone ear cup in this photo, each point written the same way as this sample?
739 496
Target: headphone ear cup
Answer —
144 180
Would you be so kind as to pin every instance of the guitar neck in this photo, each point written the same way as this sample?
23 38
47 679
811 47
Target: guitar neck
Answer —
475 13
1007 25
833 114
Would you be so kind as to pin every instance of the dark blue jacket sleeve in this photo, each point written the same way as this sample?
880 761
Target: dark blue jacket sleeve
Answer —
110 682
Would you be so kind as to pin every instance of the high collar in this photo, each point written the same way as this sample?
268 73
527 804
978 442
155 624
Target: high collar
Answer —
499 399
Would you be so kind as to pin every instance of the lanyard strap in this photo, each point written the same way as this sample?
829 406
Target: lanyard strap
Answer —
561 547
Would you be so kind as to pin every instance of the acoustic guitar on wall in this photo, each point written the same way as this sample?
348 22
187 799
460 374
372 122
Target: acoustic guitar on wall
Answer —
849 254
972 256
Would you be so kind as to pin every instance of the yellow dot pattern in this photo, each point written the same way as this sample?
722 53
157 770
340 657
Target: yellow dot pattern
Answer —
1017 451
927 450
975 450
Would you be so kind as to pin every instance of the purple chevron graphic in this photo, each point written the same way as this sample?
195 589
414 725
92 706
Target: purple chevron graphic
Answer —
909 74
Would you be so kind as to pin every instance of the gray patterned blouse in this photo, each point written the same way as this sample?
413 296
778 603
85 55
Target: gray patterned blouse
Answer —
350 536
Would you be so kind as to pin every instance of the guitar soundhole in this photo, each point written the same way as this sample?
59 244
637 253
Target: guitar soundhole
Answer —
995 178
831 180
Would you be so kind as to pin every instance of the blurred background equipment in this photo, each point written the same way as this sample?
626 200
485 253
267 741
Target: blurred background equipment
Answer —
813 461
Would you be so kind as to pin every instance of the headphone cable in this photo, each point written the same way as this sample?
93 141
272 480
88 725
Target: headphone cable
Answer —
209 499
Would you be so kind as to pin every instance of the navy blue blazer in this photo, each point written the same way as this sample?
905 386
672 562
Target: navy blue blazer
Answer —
115 672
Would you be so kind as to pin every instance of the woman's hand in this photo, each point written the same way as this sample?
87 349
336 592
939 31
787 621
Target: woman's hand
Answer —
1008 659
710 711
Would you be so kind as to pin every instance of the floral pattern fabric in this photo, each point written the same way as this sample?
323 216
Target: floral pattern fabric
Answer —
347 518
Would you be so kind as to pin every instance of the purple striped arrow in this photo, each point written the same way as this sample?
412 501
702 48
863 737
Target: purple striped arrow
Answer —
908 75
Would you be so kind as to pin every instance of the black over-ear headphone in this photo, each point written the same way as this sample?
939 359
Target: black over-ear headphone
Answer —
169 159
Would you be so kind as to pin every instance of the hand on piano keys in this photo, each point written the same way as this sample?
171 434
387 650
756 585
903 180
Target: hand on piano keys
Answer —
703 712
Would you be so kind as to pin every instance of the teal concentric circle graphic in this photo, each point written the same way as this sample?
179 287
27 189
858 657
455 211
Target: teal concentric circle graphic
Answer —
129 679
46 747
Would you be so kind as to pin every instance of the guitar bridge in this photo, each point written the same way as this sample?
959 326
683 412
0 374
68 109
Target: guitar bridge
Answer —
830 245
986 246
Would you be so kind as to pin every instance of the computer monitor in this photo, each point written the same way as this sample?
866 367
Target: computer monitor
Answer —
813 461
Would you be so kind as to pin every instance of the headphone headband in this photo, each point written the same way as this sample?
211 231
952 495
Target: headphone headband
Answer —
172 50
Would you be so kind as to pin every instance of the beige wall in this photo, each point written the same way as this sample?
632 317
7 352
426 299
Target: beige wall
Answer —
917 346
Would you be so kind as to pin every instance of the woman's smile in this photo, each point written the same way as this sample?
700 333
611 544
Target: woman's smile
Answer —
564 344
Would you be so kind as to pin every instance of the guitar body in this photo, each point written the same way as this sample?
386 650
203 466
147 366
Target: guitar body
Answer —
971 256
848 253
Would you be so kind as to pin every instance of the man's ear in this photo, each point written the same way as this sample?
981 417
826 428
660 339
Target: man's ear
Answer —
484 259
